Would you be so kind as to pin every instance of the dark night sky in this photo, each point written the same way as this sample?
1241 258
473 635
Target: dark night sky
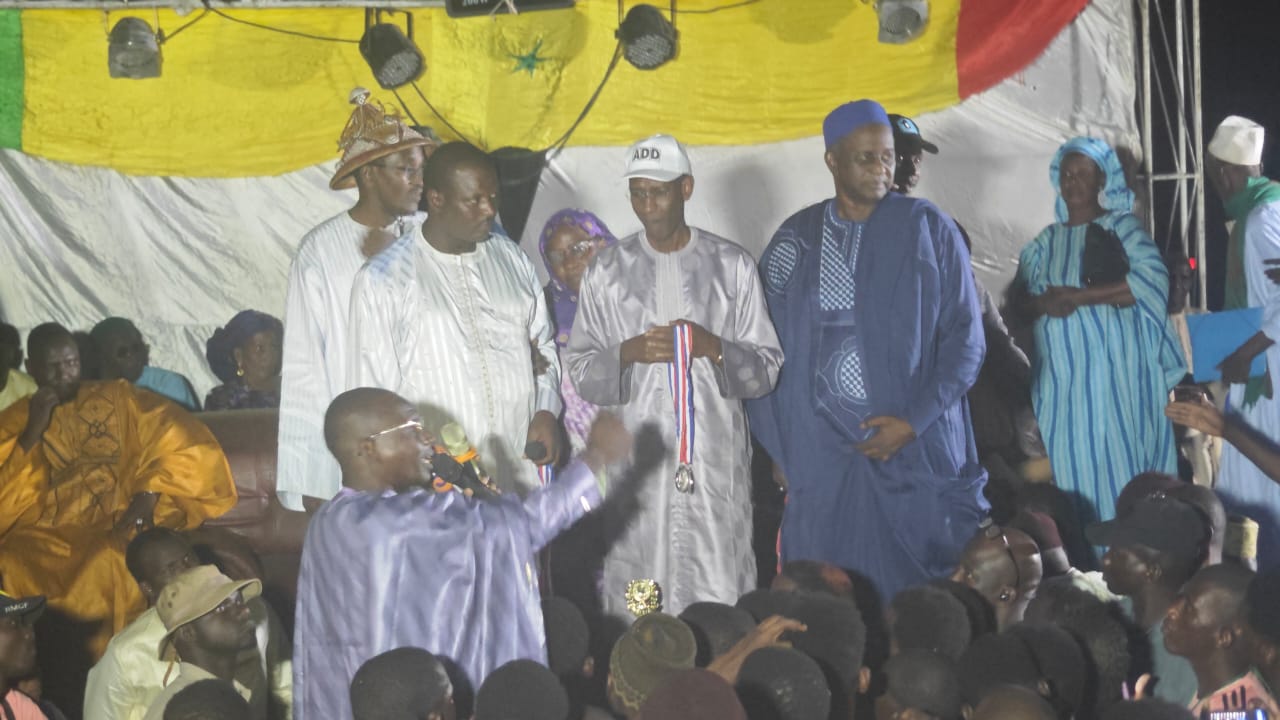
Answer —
1240 57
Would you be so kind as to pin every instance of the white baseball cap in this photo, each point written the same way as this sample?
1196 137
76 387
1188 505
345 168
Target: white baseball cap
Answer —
1238 141
660 158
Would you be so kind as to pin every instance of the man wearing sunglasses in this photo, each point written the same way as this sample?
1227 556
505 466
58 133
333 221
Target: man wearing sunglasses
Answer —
382 160
398 559
1004 565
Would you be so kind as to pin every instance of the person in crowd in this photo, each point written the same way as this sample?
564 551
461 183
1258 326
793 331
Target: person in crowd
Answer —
523 689
569 241
813 576
1233 167
210 699
208 628
784 684
18 616
570 655
657 645
14 384
245 355
1004 566
993 661
382 158
927 617
1000 399
1098 290
126 356
484 608
446 316
1013 702
921 685
1101 631
129 676
1041 528
407 683
1203 625
717 628
1262 617
1153 551
1061 660
88 465
873 299
674 303
982 617
693 694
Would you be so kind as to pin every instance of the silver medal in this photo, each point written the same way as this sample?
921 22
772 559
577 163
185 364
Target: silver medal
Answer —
684 479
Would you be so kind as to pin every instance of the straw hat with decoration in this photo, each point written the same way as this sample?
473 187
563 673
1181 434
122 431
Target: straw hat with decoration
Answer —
370 134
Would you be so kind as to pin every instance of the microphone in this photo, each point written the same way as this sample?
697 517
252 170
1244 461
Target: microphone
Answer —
456 465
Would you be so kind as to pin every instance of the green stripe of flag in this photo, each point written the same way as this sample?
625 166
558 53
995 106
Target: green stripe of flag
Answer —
11 77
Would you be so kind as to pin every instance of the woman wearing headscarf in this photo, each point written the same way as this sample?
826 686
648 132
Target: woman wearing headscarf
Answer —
245 355
569 241
1106 355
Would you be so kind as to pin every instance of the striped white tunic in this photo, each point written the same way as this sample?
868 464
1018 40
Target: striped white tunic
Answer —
315 353
452 333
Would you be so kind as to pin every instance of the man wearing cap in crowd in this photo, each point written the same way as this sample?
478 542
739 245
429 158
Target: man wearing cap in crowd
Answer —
446 317
873 299
18 654
640 300
910 147
382 158
1252 202
1153 551
208 626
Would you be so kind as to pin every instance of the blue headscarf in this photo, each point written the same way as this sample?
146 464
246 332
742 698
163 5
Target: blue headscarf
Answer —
1116 195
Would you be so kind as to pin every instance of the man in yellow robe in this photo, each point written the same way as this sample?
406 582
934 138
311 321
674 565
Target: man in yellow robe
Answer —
83 468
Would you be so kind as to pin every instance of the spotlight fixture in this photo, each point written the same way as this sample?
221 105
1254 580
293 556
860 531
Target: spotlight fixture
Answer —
902 21
648 39
391 55
133 50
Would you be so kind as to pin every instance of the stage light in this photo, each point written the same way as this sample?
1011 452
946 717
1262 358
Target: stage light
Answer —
902 20
133 50
648 39
391 55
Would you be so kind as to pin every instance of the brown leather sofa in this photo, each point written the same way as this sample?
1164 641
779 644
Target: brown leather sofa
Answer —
258 522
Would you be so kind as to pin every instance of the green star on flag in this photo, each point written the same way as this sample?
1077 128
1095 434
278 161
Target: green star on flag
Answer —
530 60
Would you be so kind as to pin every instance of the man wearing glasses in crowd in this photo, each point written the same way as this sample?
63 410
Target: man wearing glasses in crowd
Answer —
399 559
667 284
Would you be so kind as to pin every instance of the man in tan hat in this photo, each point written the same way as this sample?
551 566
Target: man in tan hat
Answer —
1234 169
382 158
209 625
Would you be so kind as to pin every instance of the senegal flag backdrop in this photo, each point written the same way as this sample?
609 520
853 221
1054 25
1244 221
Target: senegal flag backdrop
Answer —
236 100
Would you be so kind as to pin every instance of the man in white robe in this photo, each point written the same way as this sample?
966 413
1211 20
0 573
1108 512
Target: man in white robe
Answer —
696 542
1234 169
383 159
446 317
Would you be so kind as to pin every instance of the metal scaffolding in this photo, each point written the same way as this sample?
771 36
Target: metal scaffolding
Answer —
1169 93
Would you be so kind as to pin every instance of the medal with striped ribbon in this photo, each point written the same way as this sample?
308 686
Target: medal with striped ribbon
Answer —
680 380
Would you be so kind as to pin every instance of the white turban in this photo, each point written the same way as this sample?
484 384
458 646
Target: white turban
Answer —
1238 141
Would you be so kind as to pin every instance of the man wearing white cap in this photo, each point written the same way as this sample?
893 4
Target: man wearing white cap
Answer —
672 329
382 159
1252 202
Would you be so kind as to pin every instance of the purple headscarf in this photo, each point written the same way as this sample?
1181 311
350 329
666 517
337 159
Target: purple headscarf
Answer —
564 302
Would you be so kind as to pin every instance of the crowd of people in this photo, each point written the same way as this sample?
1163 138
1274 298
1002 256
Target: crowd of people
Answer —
536 503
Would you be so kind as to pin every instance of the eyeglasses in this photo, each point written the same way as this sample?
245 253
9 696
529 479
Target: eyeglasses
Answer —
575 251
408 172
991 530
417 426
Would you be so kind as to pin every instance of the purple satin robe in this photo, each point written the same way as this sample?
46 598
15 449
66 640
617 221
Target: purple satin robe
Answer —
457 577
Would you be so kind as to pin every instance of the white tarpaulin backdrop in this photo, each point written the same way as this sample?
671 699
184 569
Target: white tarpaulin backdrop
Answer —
180 256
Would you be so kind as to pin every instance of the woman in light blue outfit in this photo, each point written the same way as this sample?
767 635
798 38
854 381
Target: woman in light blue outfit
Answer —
1106 355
